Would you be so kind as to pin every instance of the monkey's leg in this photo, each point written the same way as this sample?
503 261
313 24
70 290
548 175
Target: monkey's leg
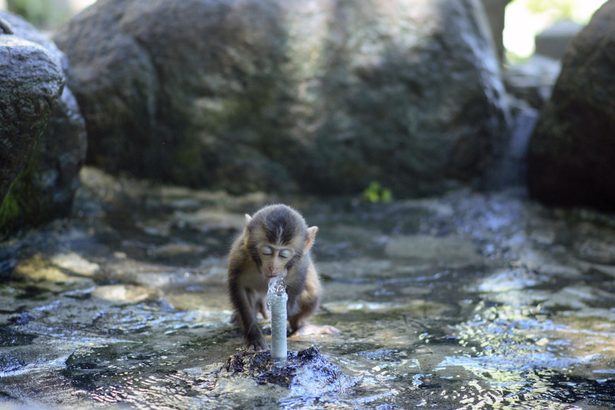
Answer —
306 305
261 306
298 321
247 314
257 303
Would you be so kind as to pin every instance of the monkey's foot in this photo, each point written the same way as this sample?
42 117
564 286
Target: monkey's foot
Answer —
257 347
315 330
256 342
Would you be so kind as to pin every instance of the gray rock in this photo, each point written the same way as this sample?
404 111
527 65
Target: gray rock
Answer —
596 250
553 41
532 81
572 150
31 78
125 294
324 96
451 252
42 133
496 10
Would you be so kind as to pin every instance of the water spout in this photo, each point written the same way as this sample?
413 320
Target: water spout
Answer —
276 300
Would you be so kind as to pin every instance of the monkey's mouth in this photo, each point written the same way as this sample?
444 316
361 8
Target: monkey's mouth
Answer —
274 275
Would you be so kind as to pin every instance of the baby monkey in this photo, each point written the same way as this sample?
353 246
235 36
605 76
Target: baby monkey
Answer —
275 242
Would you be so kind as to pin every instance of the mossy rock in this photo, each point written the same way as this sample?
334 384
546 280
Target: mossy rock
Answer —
288 95
42 133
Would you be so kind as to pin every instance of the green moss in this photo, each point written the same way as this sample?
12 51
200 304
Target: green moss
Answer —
244 146
22 200
376 193
9 210
189 168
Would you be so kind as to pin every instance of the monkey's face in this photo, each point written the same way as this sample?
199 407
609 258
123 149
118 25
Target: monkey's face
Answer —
277 239
274 260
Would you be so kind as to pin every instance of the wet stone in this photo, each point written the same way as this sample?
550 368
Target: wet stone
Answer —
39 268
10 337
6 267
596 251
387 355
89 368
124 294
260 367
449 251
75 263
21 319
10 364
509 279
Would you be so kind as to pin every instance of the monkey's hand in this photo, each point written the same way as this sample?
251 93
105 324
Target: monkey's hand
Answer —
257 342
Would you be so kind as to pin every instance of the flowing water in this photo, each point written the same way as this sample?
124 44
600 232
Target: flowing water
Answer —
463 301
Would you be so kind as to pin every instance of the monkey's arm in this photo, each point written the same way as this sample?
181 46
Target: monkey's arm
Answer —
304 295
245 310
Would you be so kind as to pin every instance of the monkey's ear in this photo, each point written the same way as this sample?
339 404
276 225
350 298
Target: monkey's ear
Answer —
248 218
311 237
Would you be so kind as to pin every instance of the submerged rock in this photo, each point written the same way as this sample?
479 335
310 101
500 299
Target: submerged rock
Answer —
305 366
452 251
9 363
510 280
596 250
572 150
325 96
75 263
42 133
10 337
125 294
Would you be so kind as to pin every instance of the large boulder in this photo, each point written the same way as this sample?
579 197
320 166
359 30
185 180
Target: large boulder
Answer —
496 11
42 133
572 151
320 95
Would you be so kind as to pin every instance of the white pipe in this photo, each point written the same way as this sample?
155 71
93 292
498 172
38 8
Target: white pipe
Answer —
277 299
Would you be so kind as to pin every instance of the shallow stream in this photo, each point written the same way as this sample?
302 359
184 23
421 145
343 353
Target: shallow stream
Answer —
462 301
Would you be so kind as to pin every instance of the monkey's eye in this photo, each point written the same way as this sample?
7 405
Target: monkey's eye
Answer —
285 253
267 250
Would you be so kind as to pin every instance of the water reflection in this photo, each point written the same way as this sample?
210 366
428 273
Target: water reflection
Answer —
465 301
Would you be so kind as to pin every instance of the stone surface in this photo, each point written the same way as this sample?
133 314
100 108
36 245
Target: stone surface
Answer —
124 294
324 96
307 366
572 150
450 251
553 41
42 133
31 78
496 10
75 263
532 81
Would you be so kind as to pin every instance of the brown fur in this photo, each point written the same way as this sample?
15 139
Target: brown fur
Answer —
278 227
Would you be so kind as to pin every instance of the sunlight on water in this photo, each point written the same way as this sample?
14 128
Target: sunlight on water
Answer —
107 312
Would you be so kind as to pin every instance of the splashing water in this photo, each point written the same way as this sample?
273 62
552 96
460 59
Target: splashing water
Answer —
277 287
